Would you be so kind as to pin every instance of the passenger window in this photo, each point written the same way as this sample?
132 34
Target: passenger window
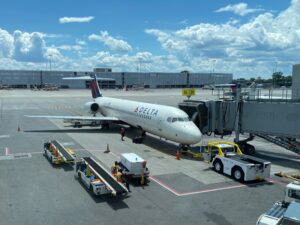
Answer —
294 194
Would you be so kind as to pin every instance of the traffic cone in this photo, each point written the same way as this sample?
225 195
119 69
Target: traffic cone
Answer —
177 155
19 129
107 149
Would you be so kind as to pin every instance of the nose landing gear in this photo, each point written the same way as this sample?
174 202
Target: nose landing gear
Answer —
183 148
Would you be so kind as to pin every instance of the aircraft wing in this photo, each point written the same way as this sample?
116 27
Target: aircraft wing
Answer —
77 118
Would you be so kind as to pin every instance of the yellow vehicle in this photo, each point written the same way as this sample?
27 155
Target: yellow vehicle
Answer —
221 148
227 158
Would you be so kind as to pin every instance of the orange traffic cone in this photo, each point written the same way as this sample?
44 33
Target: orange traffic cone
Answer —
19 129
177 155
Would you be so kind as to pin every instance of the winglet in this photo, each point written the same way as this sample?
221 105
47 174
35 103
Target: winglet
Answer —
96 93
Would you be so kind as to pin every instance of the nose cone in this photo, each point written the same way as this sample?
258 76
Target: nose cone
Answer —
193 135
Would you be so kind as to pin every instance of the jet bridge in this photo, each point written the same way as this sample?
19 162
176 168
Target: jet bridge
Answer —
273 118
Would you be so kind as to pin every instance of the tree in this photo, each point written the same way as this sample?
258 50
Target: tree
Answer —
288 81
278 79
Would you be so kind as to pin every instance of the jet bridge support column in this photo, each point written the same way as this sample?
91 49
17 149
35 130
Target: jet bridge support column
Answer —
237 115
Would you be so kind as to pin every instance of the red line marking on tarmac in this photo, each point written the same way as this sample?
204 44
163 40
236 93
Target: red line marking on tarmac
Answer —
212 190
202 191
165 186
281 183
7 151
193 192
172 190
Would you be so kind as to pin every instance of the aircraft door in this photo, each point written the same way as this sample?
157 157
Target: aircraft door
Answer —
160 124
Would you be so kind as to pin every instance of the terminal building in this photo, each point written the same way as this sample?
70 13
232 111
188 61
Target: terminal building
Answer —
296 82
29 79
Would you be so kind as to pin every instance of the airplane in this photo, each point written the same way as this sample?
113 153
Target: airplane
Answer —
164 121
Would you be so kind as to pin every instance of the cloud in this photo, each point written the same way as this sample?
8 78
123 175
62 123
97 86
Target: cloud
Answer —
80 42
52 53
262 40
113 43
6 43
239 9
183 22
246 48
28 47
23 47
70 47
76 19
147 61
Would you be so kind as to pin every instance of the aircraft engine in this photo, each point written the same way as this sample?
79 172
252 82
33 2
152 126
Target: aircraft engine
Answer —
92 107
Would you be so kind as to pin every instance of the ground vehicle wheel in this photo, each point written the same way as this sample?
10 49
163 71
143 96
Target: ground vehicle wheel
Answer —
218 166
238 174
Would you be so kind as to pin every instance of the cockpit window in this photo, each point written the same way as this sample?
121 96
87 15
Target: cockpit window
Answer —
174 120
169 119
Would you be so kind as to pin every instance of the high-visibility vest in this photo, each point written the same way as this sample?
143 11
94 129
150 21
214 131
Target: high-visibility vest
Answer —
119 176
113 169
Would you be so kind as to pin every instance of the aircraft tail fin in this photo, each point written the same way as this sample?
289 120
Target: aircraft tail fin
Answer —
96 93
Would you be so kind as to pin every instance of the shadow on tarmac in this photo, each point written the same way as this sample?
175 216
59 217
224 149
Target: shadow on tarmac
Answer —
65 166
150 141
66 131
252 184
216 218
116 203
279 159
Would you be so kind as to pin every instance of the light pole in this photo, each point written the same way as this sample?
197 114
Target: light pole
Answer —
139 65
213 61
50 57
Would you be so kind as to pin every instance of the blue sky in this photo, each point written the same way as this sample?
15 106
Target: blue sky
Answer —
246 38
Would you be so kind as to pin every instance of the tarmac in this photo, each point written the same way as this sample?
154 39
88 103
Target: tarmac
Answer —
186 191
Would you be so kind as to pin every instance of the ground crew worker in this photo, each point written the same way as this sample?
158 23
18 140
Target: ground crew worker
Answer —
88 172
122 132
142 178
119 176
114 168
126 181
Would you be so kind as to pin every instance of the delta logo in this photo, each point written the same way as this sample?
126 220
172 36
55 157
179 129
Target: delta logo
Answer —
146 111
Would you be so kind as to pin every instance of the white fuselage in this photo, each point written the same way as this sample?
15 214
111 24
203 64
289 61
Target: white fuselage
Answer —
164 121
